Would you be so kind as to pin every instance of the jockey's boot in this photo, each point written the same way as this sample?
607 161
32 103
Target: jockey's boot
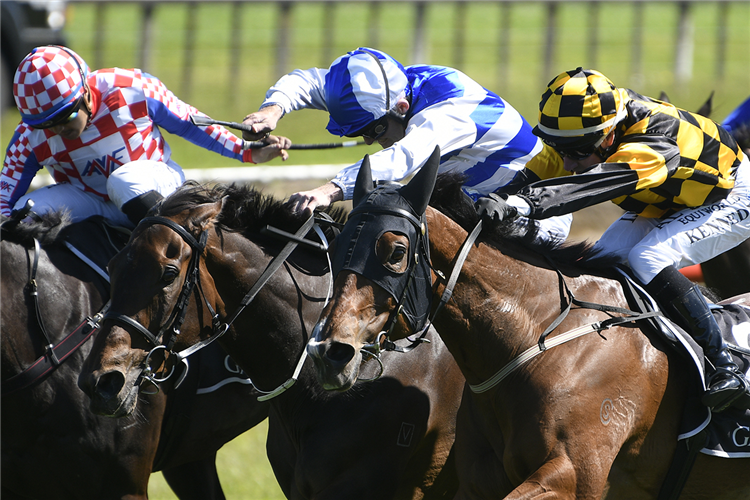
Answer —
137 208
728 383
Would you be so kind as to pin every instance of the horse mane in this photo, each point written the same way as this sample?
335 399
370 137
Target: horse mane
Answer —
245 208
46 229
449 198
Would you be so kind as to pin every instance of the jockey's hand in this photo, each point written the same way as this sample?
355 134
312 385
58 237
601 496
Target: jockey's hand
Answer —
262 122
323 196
277 146
494 207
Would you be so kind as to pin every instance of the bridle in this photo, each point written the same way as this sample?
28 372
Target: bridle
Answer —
164 340
382 341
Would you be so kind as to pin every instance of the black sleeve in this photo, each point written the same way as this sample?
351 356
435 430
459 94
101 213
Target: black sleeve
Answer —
522 179
564 195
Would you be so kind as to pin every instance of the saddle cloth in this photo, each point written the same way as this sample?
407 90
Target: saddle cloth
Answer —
728 431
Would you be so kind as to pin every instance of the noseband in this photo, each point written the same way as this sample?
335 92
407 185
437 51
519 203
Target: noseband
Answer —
192 278
167 335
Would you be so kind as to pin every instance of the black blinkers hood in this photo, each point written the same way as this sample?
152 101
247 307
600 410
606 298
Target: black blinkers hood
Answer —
385 210
391 207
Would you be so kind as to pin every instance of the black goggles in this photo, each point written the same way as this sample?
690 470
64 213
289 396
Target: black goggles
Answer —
575 154
63 119
374 130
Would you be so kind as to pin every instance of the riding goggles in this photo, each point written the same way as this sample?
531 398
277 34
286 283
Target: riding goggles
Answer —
580 153
374 130
63 119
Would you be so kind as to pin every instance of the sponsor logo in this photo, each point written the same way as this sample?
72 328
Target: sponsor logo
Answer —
104 165
405 435
741 436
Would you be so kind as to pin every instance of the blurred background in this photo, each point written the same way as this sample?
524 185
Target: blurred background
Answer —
221 57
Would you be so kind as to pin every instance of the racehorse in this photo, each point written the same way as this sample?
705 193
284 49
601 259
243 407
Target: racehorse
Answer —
594 417
728 274
398 429
52 445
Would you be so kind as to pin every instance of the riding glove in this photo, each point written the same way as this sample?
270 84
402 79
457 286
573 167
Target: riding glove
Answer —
495 207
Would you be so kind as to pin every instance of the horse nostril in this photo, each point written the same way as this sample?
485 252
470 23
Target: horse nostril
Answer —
110 384
340 353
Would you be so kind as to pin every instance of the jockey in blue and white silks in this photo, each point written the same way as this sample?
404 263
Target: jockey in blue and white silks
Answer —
409 111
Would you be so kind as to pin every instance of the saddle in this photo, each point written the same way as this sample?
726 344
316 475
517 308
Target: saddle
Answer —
728 432
95 241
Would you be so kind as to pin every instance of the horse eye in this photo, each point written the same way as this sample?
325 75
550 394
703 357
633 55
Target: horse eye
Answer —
398 254
170 274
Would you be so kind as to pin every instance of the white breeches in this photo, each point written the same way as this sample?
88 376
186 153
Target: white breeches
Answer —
128 181
690 236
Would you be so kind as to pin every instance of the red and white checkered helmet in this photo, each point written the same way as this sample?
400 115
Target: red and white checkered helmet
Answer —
48 82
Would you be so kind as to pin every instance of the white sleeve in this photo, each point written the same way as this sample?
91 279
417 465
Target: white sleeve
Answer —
299 89
441 125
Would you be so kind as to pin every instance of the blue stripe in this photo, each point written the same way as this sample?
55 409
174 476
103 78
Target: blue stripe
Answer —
521 145
166 119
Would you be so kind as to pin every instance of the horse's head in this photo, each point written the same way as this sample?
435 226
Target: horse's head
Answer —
154 280
382 274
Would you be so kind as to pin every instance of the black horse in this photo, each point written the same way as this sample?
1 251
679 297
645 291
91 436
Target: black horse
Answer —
52 445
389 438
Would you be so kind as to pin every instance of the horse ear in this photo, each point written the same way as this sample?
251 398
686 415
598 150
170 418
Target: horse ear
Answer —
363 186
419 189
207 214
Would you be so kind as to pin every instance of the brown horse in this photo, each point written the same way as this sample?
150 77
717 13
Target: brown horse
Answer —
52 445
728 274
595 417
320 444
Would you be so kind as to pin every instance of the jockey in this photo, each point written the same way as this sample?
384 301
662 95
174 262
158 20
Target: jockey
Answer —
682 179
408 111
738 124
98 135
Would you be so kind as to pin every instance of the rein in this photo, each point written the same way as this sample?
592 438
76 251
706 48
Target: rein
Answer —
373 349
179 311
54 355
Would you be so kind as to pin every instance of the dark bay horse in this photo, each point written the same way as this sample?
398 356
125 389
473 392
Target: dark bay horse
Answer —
389 438
52 445
595 417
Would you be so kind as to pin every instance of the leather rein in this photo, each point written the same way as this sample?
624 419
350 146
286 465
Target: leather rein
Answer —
165 339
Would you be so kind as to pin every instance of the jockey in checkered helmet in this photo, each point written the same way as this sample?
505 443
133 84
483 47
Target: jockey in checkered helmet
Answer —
361 88
49 86
577 111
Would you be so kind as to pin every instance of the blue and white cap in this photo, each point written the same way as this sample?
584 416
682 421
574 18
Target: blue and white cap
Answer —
361 86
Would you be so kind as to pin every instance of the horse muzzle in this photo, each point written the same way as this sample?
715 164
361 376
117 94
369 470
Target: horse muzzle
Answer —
336 363
109 393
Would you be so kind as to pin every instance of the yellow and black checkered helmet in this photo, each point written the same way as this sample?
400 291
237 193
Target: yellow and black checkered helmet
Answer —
578 109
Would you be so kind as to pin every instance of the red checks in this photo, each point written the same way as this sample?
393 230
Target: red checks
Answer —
47 81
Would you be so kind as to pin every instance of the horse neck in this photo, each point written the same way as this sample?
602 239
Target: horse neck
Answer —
69 291
499 303
269 335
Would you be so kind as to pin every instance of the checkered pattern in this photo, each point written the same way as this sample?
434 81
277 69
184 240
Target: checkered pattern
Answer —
577 101
47 81
701 166
664 159
129 108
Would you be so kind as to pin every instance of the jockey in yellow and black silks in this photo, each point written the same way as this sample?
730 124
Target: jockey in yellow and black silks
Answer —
682 179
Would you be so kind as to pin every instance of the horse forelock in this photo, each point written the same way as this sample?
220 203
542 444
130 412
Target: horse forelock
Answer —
47 230
449 199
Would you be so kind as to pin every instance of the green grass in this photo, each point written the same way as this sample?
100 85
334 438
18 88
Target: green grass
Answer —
228 88
243 470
